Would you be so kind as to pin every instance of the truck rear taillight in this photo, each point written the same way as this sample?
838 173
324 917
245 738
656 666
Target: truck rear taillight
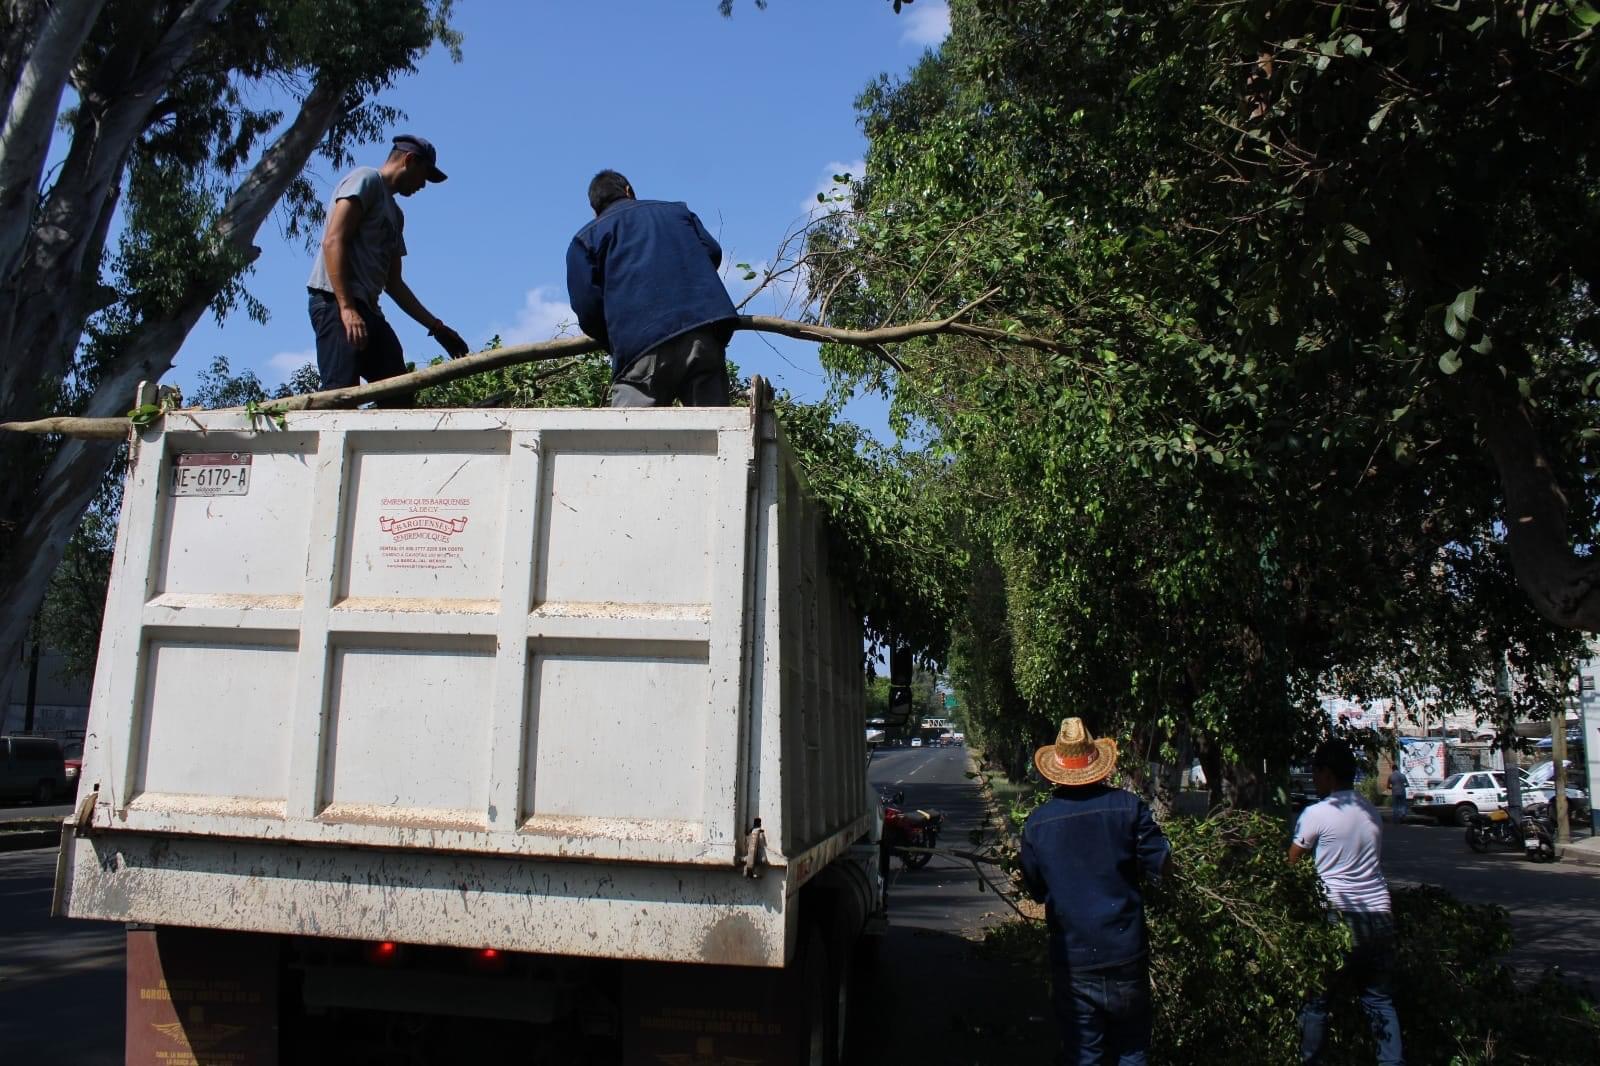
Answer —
383 953
489 959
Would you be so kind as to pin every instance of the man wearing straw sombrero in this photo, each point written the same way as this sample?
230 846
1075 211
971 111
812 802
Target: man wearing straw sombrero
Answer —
1086 854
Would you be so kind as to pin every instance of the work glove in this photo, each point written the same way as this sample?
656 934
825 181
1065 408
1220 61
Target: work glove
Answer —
449 339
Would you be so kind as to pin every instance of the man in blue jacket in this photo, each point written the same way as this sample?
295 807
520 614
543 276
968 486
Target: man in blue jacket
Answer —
642 278
1086 853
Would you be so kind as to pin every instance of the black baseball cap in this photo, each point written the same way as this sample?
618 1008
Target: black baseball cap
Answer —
410 142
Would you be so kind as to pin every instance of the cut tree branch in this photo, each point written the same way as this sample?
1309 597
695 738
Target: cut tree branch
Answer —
515 355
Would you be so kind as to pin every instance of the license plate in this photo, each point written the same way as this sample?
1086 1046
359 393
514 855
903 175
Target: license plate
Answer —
211 474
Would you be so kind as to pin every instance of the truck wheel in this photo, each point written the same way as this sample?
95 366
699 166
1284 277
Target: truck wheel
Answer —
817 997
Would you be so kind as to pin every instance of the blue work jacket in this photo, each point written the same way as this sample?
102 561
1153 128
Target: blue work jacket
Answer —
642 273
1086 854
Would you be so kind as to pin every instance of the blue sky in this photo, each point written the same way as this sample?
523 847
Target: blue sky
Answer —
744 118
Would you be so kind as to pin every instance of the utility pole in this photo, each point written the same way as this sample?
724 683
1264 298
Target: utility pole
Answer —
1558 755
1508 739
33 684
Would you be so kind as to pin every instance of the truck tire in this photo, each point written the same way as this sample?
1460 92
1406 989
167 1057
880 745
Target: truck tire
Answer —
815 994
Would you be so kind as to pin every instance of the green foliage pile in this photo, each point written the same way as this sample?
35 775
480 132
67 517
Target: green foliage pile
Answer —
1238 937
581 382
1236 934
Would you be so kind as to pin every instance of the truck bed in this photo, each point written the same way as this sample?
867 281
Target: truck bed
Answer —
470 677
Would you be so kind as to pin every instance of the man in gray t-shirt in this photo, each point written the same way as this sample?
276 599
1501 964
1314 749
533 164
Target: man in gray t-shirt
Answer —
1399 798
362 248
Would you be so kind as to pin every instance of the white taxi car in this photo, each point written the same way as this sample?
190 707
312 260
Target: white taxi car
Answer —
1459 796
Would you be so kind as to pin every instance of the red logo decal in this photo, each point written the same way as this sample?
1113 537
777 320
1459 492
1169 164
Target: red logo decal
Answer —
421 525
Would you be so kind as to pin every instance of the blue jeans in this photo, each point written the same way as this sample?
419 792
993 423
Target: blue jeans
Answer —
1104 1015
1401 807
340 363
1369 968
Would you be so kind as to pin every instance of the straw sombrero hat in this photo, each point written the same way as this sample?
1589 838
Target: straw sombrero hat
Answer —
1076 758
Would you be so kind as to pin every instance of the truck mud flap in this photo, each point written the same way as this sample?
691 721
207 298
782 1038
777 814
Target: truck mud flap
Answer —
731 1014
197 996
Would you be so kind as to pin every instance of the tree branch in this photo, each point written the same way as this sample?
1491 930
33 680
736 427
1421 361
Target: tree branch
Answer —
105 428
31 107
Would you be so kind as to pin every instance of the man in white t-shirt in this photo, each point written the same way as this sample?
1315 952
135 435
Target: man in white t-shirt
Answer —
1344 836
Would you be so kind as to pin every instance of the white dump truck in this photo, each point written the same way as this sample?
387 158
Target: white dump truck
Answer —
419 735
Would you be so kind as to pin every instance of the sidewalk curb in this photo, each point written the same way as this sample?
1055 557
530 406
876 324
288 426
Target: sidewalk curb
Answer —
997 820
28 839
1583 852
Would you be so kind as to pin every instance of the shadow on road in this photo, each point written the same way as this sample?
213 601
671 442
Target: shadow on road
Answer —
61 980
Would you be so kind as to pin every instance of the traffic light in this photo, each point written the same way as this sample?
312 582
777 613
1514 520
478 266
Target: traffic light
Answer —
900 669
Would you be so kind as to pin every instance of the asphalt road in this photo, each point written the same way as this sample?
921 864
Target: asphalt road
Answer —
60 981
942 1003
1554 907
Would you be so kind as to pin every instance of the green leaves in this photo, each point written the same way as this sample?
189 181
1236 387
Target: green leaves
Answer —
1458 314
145 414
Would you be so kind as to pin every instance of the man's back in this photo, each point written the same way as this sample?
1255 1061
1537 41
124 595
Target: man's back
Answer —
1345 836
642 273
1085 852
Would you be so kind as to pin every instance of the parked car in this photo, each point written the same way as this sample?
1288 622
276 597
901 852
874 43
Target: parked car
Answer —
72 754
916 742
1460 796
32 768
1541 779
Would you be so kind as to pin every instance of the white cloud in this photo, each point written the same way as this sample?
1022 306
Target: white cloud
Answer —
831 190
540 318
927 23
285 363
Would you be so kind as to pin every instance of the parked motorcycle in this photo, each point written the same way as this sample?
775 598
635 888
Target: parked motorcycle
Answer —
1539 832
1496 827
908 828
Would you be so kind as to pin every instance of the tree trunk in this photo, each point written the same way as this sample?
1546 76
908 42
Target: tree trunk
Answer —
1241 786
1563 587
33 100
41 524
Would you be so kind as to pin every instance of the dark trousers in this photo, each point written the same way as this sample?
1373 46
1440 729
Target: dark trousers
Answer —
691 367
1104 1015
340 363
1369 971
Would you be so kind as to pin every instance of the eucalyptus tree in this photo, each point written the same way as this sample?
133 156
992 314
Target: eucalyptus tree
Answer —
141 126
